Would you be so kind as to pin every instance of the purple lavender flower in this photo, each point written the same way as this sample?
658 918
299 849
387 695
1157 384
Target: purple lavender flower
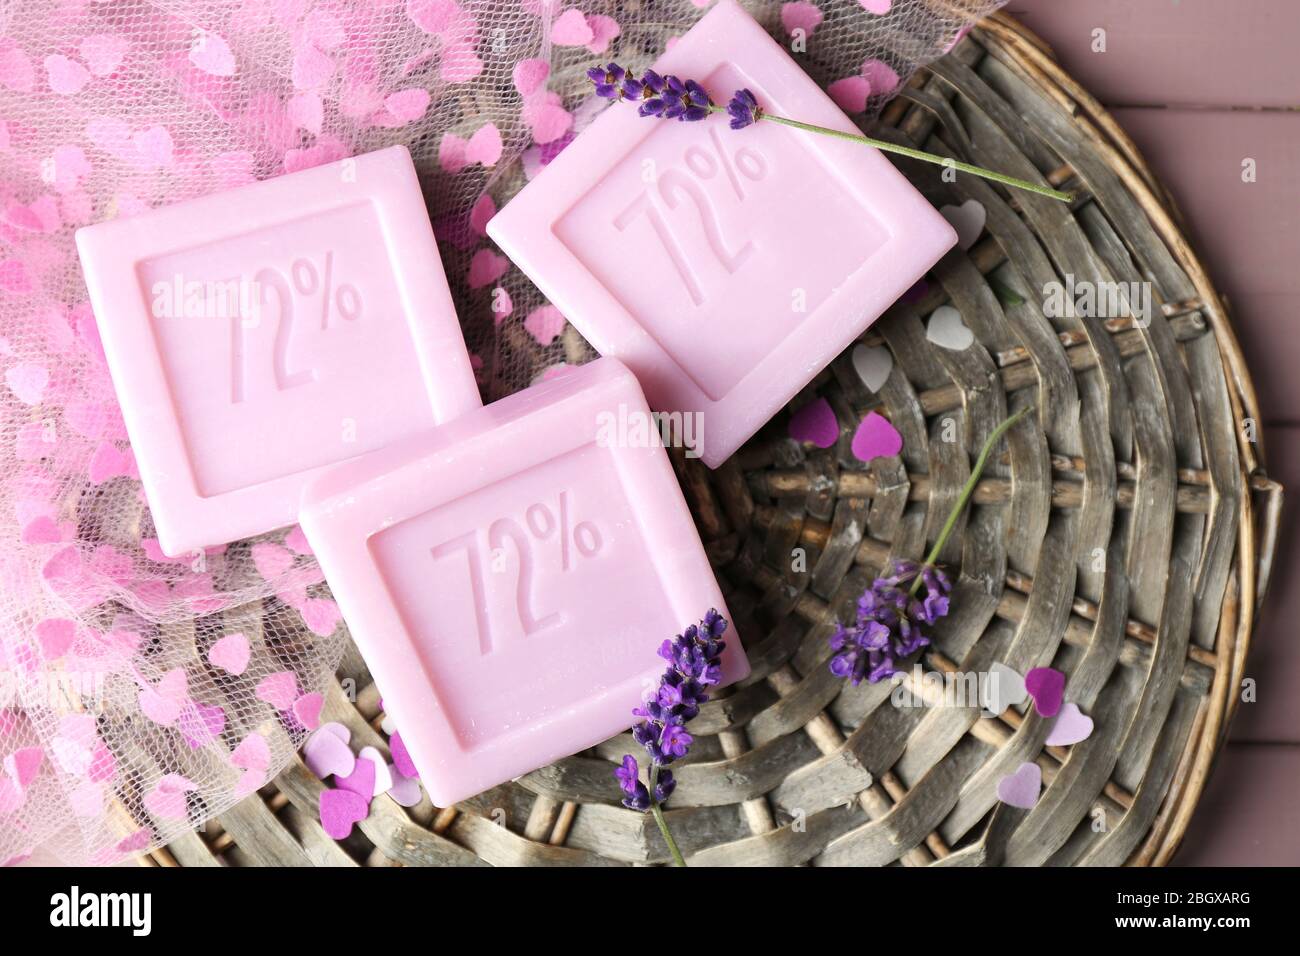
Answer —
612 82
636 796
888 625
694 660
744 109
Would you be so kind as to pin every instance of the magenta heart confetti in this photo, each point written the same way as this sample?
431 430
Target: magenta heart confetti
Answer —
1020 789
815 423
876 438
201 724
339 810
361 781
1046 685
401 758
1072 726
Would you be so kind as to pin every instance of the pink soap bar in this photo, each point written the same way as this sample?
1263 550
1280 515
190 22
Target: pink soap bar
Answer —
725 267
259 335
510 576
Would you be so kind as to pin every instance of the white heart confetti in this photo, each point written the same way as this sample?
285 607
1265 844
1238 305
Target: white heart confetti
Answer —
1003 688
946 329
873 365
967 219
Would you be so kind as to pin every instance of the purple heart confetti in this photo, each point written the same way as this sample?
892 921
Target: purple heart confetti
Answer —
815 423
1071 726
1020 789
401 758
326 754
1047 686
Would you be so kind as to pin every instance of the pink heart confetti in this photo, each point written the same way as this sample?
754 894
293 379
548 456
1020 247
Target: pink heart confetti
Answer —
23 765
876 437
603 32
279 690
321 615
154 148
800 16
230 653
571 29
28 381
162 702
66 76
135 842
271 560
431 16
881 76
311 69
103 52
549 121
325 754
878 7
851 93
486 267
1071 726
211 54
1021 789
296 541
1046 685
401 757
110 462
249 782
361 780
339 810
484 209
16 71
544 323
406 106
307 709
306 111
529 75
56 636
251 754
815 423
167 799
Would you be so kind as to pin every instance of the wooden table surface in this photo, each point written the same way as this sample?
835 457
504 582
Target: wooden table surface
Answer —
1202 85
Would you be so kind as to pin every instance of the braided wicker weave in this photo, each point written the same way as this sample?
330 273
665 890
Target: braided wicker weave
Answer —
1125 536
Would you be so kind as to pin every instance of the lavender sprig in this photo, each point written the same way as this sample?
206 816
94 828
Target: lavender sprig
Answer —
694 664
888 626
670 97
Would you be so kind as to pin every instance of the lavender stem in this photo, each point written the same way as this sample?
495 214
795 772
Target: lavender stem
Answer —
888 147
678 859
966 492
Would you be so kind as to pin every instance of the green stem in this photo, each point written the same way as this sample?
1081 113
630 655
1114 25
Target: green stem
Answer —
888 147
657 811
967 490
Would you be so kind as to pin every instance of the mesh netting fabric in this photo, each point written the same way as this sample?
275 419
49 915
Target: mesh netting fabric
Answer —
139 694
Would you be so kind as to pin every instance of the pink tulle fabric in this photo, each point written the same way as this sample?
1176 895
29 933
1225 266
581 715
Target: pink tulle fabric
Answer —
139 694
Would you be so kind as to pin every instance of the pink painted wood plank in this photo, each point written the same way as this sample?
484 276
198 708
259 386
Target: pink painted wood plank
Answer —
1248 233
1248 815
1185 52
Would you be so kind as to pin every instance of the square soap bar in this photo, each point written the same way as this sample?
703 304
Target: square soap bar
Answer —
258 335
510 576
725 267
